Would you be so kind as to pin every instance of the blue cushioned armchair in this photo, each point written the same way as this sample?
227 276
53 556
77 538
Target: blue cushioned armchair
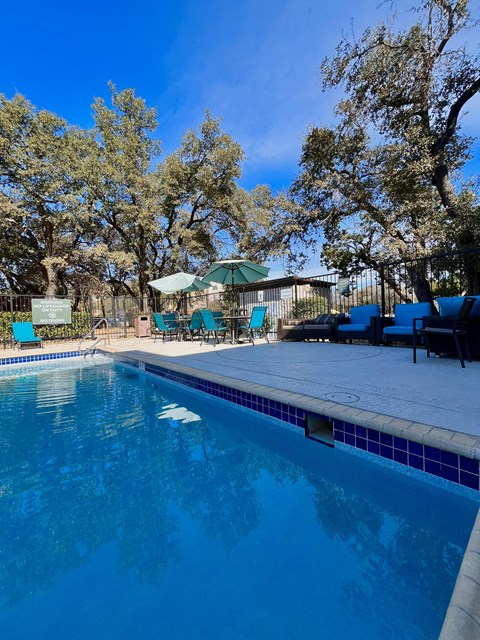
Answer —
362 324
400 328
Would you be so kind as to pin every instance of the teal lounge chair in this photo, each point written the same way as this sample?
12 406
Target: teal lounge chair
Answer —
256 324
23 334
161 326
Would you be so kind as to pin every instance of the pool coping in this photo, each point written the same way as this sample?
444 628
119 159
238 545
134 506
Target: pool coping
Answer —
462 620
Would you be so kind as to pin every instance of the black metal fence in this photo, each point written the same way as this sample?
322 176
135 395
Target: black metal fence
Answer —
424 279
120 313
421 280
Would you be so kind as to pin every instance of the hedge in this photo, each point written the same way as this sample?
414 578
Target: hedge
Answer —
79 327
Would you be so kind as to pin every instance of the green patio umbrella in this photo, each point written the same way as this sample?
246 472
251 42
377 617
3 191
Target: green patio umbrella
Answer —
235 272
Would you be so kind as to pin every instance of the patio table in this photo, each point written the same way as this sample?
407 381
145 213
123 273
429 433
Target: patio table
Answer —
183 322
234 322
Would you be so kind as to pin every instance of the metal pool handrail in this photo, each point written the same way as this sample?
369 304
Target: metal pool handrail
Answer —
89 334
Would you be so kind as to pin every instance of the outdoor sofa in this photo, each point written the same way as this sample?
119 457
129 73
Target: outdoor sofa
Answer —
323 327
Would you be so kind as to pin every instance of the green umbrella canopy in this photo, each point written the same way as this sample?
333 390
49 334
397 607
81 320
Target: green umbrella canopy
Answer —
235 272
179 282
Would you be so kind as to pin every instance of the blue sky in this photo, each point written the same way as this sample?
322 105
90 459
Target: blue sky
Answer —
254 63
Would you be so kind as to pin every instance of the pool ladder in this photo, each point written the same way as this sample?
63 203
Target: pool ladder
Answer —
91 349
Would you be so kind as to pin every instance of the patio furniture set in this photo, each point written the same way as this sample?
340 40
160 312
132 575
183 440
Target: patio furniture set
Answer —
455 330
204 323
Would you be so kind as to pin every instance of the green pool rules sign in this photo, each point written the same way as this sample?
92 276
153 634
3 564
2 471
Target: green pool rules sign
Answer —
51 311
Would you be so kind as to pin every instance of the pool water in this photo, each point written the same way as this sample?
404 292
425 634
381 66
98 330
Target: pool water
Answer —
131 509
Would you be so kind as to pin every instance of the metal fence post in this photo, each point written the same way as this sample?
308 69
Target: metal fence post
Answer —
90 311
124 307
295 297
382 287
12 315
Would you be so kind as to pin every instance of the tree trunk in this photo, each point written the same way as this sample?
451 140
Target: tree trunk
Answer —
420 283
465 238
142 261
50 269
52 280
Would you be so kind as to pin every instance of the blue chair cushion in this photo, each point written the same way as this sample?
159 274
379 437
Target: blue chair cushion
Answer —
360 328
362 314
405 313
398 330
451 306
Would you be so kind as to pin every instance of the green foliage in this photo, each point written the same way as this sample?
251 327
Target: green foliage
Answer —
99 212
79 327
200 205
43 208
268 323
309 307
386 181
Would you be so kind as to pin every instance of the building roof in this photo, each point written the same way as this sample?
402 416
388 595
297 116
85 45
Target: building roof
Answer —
287 281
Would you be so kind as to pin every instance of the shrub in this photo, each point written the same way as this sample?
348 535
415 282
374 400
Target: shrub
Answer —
310 307
79 327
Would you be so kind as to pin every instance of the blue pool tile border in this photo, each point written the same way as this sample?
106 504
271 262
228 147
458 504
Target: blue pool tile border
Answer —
443 464
39 357
451 466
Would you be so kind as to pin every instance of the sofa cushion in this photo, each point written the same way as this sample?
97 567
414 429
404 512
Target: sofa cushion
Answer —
318 328
328 318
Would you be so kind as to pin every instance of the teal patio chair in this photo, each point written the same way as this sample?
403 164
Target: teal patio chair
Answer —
195 326
23 334
256 324
218 315
211 326
161 327
171 320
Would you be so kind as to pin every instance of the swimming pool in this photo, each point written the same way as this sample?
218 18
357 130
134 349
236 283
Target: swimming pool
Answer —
133 509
